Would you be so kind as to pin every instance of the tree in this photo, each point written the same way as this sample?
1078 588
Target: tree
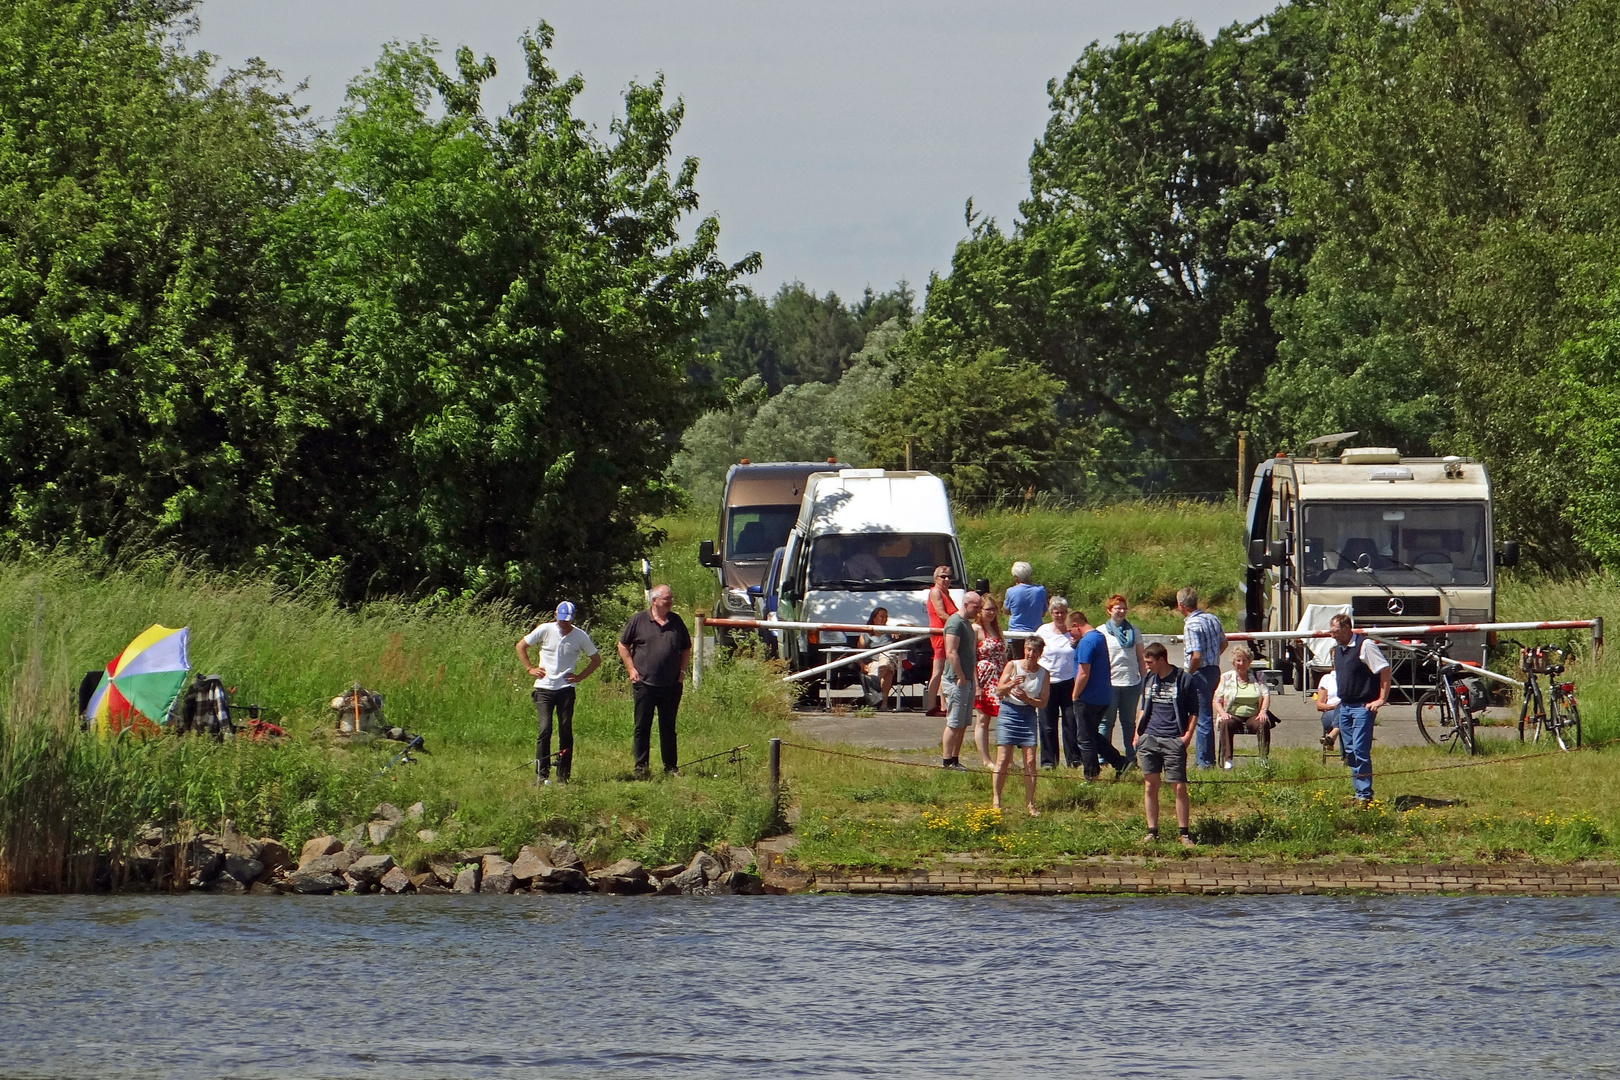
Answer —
139 326
986 425
504 313
1152 245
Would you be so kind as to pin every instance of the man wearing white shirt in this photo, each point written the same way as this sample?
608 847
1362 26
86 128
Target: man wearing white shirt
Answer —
561 644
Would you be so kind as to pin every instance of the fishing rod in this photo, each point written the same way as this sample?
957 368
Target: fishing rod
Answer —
404 755
733 756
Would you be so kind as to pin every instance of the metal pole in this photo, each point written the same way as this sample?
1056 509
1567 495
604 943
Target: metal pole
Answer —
851 658
1597 638
1243 465
909 442
776 779
697 655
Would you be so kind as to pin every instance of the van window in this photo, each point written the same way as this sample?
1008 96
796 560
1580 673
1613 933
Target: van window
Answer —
1371 543
881 560
754 532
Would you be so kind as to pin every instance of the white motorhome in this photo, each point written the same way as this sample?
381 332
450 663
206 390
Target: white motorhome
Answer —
864 538
1397 540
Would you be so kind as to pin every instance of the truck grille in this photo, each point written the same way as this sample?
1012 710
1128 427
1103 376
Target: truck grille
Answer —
1395 607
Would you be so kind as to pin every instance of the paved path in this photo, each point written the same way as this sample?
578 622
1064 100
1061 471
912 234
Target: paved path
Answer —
911 731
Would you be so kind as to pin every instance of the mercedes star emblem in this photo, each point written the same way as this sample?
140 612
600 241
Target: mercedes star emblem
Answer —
1396 605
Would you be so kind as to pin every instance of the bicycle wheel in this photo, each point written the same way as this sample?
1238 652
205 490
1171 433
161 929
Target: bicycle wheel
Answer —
1464 721
1564 721
1434 719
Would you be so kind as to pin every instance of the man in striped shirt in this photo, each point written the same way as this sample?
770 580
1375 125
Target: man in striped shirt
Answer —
1205 641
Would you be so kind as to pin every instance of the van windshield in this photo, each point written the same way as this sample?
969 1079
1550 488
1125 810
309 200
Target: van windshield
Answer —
754 532
881 560
1370 544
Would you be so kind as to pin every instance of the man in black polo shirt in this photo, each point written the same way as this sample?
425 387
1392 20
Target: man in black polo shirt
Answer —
655 648
1164 729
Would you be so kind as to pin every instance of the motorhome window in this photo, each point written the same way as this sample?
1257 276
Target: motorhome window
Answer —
880 560
754 532
1372 543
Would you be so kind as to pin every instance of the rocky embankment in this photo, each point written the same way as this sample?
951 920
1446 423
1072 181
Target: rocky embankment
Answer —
232 863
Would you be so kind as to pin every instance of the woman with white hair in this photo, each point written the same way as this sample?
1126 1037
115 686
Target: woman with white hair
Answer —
1025 603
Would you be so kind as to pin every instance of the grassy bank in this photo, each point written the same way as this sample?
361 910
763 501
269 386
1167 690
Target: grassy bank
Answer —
450 674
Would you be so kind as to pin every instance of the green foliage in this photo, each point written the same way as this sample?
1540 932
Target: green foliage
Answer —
1152 244
987 426
794 336
432 351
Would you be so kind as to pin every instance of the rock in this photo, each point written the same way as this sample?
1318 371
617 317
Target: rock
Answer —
475 854
443 869
321 845
395 881
353 834
274 855
467 880
354 849
358 886
738 858
496 875
707 864
426 890
328 864
738 882
371 868
264 888
427 836
563 856
151 835
387 812
380 831
421 881
234 842
529 863
624 877
309 882
416 812
560 879
667 871
686 881
204 858
229 883
245 870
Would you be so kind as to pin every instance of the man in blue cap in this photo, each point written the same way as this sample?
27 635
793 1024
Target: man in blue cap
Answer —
561 643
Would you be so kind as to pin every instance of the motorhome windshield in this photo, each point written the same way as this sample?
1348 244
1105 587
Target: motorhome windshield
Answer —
754 532
880 560
1392 543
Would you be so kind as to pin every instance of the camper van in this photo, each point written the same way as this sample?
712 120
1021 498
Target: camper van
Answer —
864 538
1395 540
757 511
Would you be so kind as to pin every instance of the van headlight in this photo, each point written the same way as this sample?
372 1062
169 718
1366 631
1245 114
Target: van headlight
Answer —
739 600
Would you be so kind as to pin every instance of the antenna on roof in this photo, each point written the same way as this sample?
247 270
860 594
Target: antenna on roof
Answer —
1320 441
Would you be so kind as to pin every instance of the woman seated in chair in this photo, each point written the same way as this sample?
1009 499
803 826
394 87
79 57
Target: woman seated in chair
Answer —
1242 706
884 668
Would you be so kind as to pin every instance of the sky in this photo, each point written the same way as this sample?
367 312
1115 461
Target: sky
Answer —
840 140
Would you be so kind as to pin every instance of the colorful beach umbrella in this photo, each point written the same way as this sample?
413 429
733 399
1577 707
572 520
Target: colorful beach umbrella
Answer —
142 682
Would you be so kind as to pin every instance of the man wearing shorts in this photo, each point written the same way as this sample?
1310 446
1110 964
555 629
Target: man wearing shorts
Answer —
956 684
1164 730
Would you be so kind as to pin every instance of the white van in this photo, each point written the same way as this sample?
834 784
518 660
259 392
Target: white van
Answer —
865 538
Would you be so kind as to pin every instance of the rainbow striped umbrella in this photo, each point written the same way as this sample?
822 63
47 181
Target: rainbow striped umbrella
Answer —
141 682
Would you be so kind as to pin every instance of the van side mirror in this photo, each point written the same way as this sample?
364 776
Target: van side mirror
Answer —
1264 553
756 590
706 554
1509 555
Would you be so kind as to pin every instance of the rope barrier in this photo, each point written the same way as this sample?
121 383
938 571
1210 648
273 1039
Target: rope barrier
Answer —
1325 778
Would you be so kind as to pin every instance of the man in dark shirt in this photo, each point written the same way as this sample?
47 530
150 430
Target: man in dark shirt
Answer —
1163 732
655 648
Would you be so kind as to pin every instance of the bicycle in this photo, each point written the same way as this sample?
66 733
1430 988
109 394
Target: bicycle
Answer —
1555 713
1446 711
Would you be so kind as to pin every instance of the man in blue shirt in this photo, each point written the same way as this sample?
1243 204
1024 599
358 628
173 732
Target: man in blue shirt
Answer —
1025 603
1205 642
1093 693
1163 731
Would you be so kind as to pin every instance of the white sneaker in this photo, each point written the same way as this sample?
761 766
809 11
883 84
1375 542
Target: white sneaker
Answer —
1228 765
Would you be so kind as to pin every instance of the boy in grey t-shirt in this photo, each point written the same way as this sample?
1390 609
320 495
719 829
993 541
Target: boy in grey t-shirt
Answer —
956 683
1165 728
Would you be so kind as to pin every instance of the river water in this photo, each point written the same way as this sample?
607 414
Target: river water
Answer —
566 986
